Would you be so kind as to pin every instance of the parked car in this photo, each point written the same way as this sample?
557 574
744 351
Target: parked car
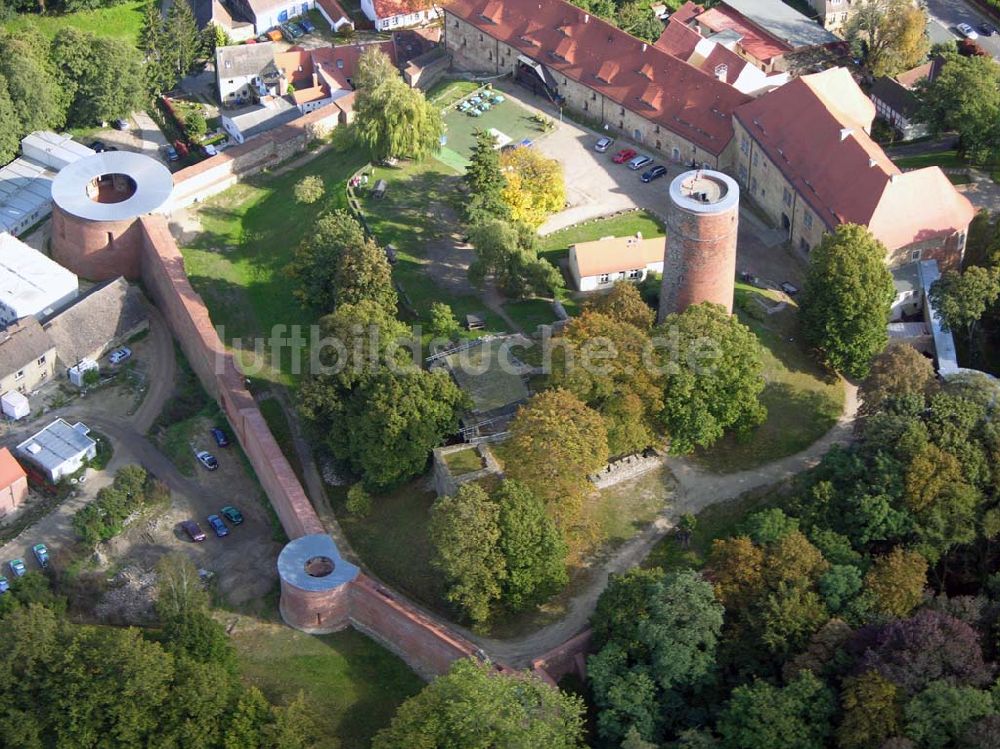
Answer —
307 25
218 526
172 154
121 125
233 515
119 355
207 459
789 288
210 150
264 37
987 29
220 437
4 585
638 162
17 567
654 173
274 35
98 146
603 144
194 531
967 31
41 555
624 155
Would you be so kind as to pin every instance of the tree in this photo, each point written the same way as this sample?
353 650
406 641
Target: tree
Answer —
897 582
387 424
847 297
796 716
179 589
535 186
392 119
465 532
965 96
639 20
533 550
443 322
872 711
10 125
960 299
736 569
214 36
485 181
506 251
604 363
359 501
558 442
471 707
938 716
337 264
103 78
898 371
892 34
658 661
195 124
713 379
309 189
154 44
839 585
32 85
181 39
625 304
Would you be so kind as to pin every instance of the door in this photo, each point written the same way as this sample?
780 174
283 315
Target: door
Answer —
637 136
785 223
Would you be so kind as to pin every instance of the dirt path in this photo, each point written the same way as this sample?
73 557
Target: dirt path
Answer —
696 489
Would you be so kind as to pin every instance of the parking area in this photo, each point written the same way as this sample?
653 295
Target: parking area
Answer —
596 186
143 136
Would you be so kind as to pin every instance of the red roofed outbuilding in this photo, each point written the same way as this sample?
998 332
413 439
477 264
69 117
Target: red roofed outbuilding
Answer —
388 15
13 483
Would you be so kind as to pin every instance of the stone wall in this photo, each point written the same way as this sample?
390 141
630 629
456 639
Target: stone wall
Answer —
624 469
568 658
446 483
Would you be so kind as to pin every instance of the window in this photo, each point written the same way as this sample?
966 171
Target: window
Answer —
804 245
787 196
586 106
807 219
604 278
621 110
635 274
340 64
41 360
657 130
753 185
456 24
19 375
743 174
593 96
621 125
480 37
491 56
756 158
659 146
916 255
745 144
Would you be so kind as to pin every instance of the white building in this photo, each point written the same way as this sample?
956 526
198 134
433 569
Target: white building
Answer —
26 182
30 283
397 14
600 264
59 450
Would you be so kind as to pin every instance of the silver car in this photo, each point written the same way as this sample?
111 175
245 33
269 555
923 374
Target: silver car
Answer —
638 162
603 144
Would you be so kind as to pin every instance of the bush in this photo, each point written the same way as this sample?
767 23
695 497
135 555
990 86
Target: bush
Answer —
309 189
104 518
195 124
359 502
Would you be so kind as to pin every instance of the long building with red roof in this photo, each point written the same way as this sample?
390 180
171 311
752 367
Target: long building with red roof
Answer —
601 72
820 168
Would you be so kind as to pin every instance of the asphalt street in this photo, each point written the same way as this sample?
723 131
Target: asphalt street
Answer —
946 14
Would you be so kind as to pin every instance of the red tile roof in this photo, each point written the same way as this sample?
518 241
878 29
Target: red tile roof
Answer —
10 469
687 13
582 47
841 172
682 41
391 8
756 42
678 39
333 9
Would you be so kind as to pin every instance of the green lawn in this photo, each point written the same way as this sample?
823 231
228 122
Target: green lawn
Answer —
463 461
508 117
117 21
530 313
352 684
555 246
250 233
802 399
447 93
949 159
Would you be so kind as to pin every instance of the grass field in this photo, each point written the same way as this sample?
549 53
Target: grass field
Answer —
803 400
463 461
250 234
352 684
118 21
949 159
555 246
530 313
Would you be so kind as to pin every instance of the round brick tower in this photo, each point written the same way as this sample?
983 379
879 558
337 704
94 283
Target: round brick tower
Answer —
314 584
95 204
699 264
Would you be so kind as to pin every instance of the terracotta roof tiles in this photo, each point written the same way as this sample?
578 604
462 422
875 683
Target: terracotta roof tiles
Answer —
10 470
392 8
757 44
694 105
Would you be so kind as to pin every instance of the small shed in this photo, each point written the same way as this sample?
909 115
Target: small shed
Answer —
379 190
77 373
475 321
14 405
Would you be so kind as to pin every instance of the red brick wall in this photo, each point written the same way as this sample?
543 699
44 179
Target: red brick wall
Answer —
316 612
568 658
98 250
700 262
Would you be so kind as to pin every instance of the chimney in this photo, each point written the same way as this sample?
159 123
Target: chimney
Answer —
721 71
644 45
845 132
315 79
586 17
872 163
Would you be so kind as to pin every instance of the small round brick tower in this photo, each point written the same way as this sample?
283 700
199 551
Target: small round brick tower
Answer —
699 264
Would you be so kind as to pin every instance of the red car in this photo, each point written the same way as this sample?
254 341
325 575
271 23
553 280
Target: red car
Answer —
624 155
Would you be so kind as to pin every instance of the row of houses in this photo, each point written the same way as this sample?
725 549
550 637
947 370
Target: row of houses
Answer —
802 151
245 19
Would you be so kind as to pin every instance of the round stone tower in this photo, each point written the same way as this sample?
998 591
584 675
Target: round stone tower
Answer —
699 264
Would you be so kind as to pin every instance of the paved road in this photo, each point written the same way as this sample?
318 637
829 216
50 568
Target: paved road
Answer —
948 13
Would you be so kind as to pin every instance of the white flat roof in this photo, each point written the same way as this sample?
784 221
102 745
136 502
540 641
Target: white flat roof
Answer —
56 444
55 150
28 278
